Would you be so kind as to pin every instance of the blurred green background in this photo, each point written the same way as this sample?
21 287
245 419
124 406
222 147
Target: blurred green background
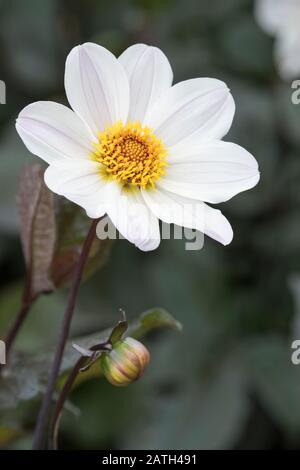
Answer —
226 381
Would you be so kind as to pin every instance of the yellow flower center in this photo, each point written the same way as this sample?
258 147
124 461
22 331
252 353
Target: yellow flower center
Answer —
131 154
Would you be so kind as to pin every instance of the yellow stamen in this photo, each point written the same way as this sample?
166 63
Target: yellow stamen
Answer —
131 154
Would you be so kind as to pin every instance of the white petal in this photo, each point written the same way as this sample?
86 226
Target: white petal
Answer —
94 204
198 109
213 172
80 182
275 15
149 74
53 132
131 216
80 178
96 86
171 208
287 53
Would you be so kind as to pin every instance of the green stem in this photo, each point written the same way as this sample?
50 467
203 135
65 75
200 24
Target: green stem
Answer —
44 413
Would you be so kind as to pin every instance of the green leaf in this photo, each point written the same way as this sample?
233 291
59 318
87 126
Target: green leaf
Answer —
275 379
8 434
26 375
40 328
72 227
148 321
15 154
154 318
52 235
36 209
208 411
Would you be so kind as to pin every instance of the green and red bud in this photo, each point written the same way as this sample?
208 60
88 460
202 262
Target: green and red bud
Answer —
126 362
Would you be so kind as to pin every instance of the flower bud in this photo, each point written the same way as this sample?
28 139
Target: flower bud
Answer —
125 363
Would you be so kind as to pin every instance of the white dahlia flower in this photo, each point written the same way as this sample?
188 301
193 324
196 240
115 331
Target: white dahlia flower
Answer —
281 18
138 149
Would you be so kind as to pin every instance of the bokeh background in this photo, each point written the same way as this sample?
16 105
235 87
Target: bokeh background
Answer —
226 381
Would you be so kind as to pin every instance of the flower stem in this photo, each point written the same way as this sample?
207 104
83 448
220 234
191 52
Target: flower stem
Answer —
44 413
27 301
14 330
53 438
78 367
